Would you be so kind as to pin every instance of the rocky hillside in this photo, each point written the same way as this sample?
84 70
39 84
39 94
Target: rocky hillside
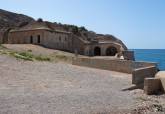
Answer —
10 20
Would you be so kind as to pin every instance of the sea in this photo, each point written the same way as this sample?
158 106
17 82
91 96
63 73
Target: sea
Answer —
151 55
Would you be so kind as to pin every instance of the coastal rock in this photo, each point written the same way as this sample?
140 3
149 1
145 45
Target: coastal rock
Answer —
161 75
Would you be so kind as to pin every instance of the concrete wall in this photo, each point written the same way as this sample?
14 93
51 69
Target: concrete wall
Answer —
139 70
139 74
152 86
108 64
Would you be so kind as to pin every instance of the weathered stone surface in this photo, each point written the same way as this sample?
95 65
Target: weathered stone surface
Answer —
149 69
152 86
139 74
161 75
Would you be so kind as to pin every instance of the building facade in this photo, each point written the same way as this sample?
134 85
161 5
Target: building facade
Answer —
41 34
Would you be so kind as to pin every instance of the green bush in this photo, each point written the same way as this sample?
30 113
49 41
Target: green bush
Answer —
42 58
22 57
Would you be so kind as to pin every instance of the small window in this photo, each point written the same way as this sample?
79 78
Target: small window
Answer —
31 39
38 39
59 38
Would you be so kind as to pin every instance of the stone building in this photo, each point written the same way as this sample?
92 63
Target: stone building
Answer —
41 33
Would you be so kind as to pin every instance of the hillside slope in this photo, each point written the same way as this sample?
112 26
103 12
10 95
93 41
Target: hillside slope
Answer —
9 19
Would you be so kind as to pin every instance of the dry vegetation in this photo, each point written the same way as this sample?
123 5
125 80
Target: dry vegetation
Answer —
30 56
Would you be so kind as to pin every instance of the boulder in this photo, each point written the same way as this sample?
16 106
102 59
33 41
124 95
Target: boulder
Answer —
161 75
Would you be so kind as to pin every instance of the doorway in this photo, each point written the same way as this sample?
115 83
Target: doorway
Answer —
97 51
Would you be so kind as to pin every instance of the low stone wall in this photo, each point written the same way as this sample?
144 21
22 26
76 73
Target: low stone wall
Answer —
113 65
139 70
139 74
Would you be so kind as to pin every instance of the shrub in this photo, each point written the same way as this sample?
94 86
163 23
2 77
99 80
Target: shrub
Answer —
42 58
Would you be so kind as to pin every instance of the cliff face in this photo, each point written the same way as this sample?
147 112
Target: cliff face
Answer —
10 20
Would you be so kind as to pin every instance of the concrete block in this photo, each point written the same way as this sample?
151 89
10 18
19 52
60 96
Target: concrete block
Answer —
152 86
161 75
138 75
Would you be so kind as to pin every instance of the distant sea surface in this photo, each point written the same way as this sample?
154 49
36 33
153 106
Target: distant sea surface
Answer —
151 55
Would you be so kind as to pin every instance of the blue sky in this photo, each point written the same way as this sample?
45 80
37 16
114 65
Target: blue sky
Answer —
138 23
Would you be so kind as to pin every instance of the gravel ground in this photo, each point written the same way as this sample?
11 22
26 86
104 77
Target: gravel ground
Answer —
58 88
44 87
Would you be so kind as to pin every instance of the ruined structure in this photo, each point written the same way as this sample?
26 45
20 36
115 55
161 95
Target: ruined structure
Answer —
47 35
21 29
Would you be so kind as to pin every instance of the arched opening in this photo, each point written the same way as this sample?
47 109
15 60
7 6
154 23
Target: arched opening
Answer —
111 51
97 51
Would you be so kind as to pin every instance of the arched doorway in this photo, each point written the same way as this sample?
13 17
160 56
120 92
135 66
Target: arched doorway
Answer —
111 51
97 51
